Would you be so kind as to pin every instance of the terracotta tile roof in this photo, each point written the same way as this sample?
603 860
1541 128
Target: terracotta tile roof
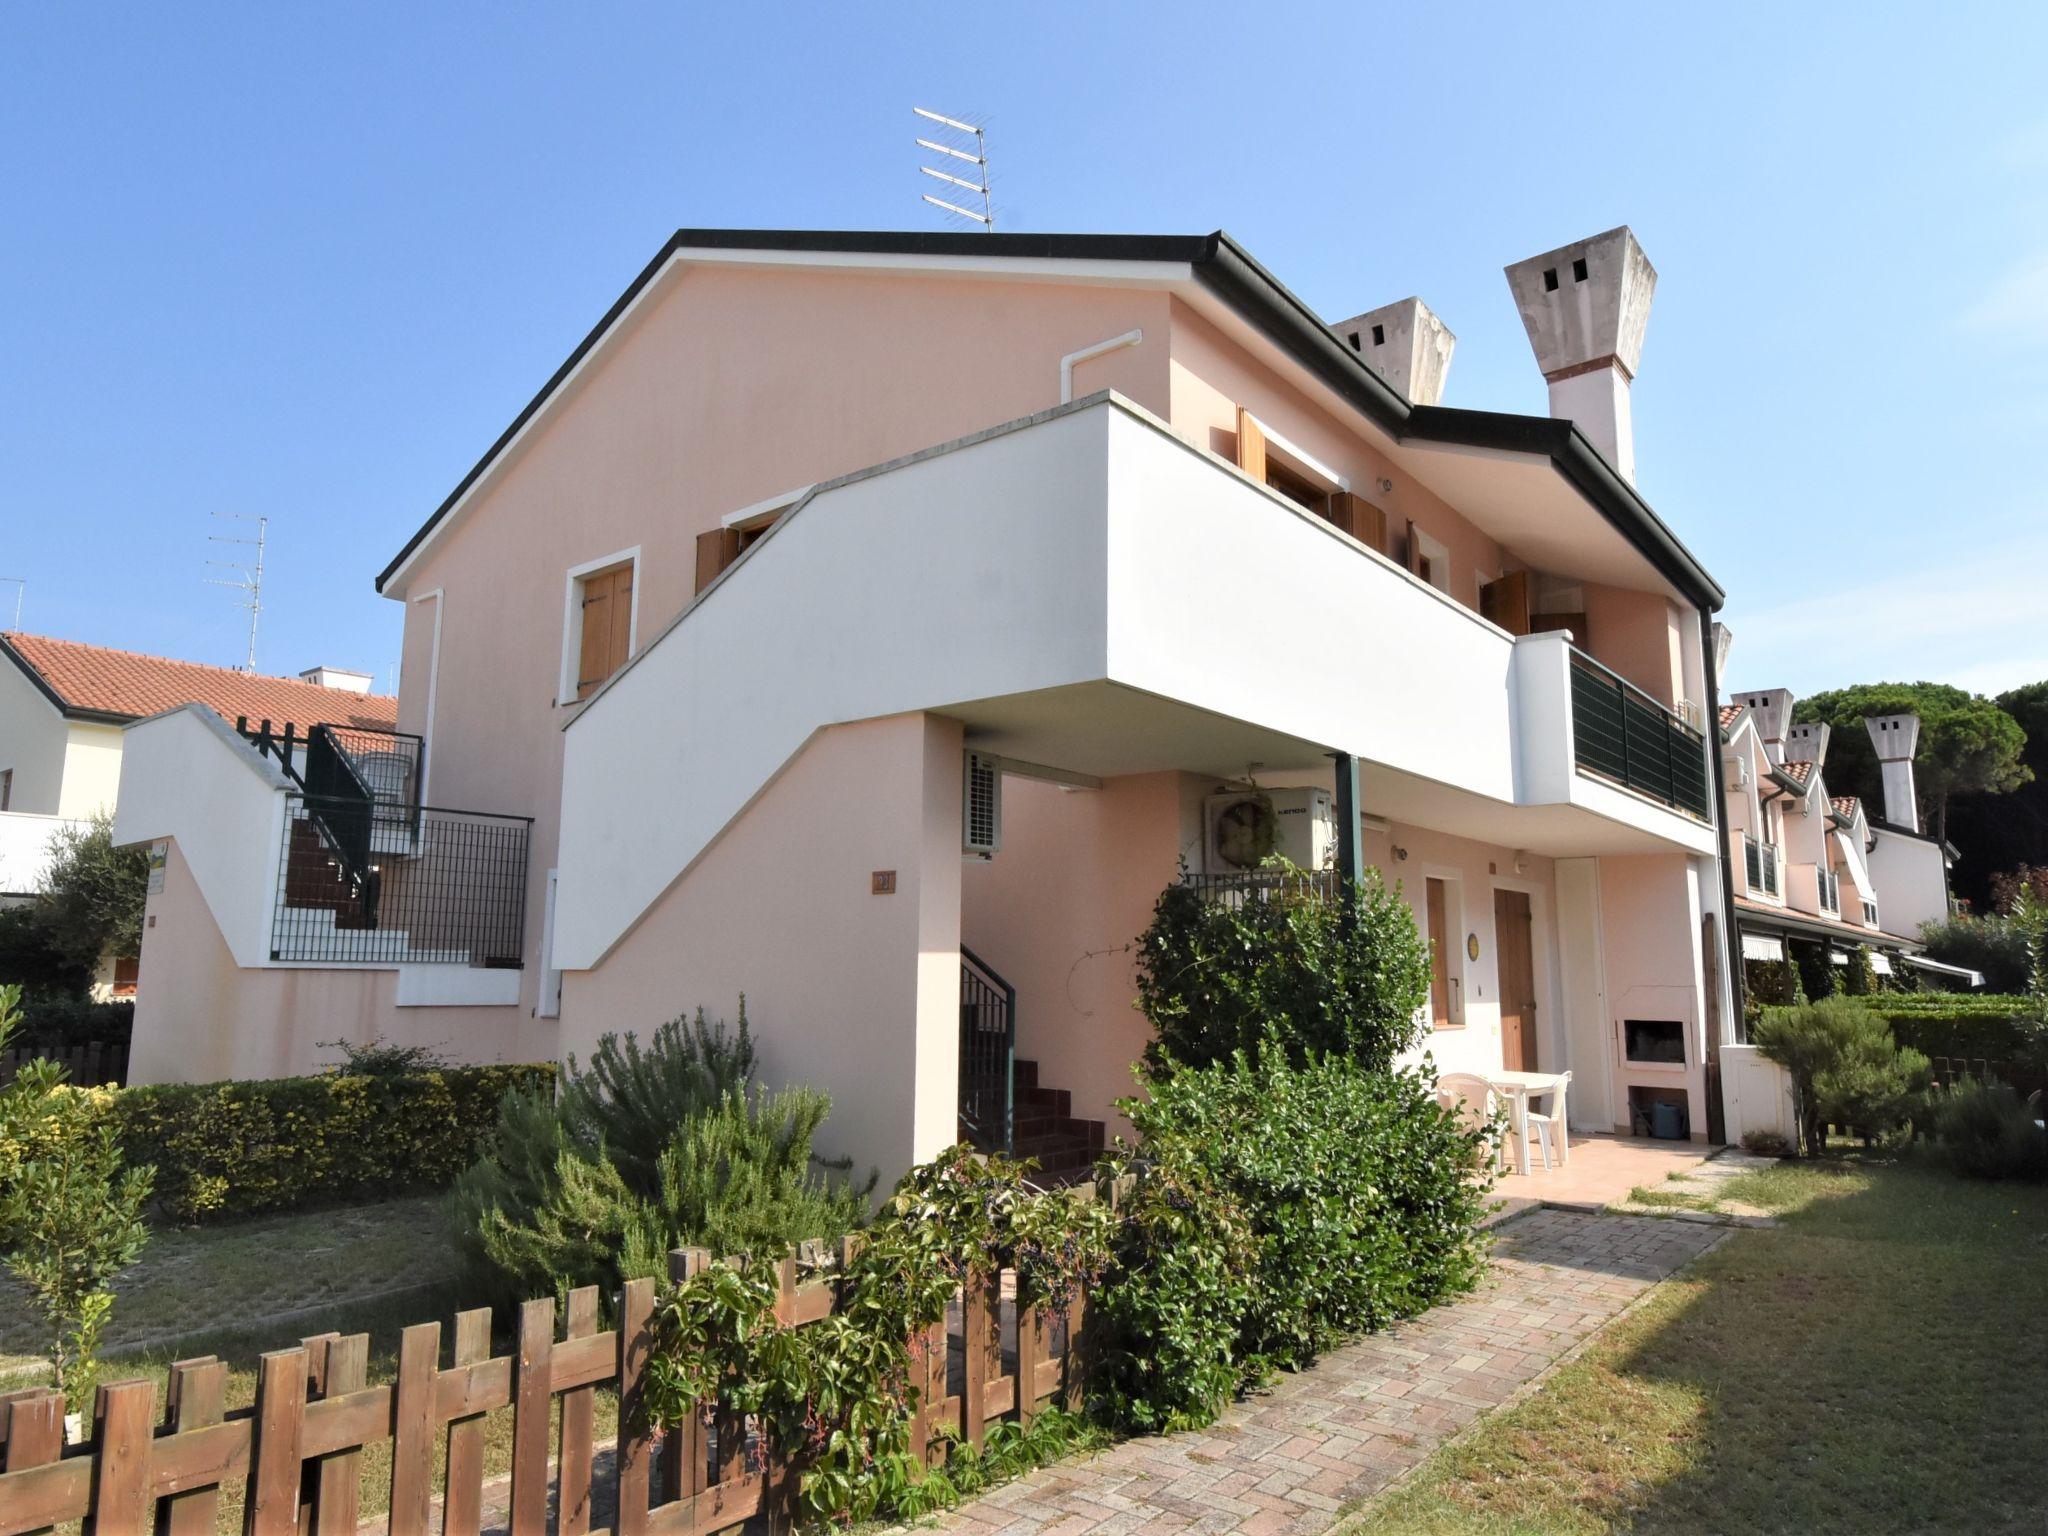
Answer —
97 680
1846 806
1799 773
1730 713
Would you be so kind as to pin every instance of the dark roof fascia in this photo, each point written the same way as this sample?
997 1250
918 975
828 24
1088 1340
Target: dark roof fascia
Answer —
57 700
1878 824
1248 287
1188 248
1224 267
1589 473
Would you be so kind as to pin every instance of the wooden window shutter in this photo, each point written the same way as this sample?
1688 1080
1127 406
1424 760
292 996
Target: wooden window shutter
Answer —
1506 602
1361 519
1251 446
715 551
607 627
1434 909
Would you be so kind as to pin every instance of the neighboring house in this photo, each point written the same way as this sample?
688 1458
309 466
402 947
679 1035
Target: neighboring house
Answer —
874 625
63 705
1818 867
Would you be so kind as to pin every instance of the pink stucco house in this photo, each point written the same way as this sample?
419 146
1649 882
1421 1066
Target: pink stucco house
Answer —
875 624
1812 866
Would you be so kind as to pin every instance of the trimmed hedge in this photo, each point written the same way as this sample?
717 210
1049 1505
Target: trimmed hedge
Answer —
2009 1034
236 1149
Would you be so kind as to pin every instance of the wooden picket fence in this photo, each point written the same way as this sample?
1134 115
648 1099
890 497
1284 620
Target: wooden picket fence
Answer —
86 1066
298 1449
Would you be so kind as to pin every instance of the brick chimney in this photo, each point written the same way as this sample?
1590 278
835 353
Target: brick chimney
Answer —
1897 738
1585 307
1406 345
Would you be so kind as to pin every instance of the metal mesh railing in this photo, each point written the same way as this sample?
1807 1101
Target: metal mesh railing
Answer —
1240 888
454 895
1621 733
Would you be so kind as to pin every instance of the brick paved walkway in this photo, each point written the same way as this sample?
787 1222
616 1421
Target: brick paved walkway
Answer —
1289 1459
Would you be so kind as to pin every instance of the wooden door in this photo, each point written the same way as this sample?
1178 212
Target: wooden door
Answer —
1506 602
1515 957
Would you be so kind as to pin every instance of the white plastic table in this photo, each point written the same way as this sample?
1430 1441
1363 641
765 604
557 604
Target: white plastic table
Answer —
1518 1088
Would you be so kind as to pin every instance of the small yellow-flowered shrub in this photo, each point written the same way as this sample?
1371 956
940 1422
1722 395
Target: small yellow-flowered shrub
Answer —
235 1149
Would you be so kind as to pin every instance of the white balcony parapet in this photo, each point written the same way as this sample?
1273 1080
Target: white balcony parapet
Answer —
1087 545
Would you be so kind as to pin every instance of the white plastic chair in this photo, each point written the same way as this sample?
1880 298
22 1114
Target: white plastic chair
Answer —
1541 1128
1475 1101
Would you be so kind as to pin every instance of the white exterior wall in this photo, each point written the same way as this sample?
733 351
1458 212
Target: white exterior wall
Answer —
1911 878
186 775
25 850
33 735
1756 1095
92 769
1083 546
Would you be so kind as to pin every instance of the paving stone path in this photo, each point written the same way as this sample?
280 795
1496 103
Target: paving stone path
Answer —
1289 1459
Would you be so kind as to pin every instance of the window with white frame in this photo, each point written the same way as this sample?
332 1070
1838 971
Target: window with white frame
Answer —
599 622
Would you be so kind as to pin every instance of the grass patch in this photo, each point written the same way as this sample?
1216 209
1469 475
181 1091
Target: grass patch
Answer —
1872 1363
190 1279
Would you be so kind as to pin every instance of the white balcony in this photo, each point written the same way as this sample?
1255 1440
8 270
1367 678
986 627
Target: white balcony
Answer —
1086 590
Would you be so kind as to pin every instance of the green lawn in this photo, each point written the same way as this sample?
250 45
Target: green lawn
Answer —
237 1289
199 1278
1877 1362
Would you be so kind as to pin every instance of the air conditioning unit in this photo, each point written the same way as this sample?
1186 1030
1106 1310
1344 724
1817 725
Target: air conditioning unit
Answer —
1243 828
981 805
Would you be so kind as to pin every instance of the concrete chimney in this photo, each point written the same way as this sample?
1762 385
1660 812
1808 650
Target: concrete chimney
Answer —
1772 711
337 677
1406 345
1585 307
1897 738
1807 743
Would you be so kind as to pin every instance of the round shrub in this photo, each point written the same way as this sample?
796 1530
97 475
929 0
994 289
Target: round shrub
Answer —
1347 976
1357 1187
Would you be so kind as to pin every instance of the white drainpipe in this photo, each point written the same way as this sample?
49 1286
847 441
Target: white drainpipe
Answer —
1128 339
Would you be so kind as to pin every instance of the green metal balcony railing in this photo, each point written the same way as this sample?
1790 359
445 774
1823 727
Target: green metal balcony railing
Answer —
1621 733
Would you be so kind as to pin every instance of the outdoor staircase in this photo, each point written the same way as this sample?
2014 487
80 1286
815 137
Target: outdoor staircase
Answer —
1064 1148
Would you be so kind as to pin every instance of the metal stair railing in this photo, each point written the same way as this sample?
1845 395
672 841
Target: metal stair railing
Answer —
988 1055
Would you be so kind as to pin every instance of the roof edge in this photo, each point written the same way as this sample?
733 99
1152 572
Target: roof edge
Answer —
1224 267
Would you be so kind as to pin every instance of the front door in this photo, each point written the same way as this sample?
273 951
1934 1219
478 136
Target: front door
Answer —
1512 947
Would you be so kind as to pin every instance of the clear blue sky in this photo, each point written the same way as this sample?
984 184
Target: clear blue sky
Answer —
309 261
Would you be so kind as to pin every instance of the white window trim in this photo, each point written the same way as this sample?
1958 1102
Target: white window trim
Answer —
549 1004
572 617
1455 978
761 512
439 598
1298 459
1439 559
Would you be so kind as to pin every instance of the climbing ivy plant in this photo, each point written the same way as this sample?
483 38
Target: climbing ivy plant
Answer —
837 1397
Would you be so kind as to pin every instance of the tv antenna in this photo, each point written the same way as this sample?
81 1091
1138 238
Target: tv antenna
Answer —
248 578
20 588
978 187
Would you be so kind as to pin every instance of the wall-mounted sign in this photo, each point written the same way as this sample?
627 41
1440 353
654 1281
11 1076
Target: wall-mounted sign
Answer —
159 855
1472 945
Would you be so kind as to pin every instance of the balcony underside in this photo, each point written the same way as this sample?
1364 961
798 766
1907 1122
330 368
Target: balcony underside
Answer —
1106 730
